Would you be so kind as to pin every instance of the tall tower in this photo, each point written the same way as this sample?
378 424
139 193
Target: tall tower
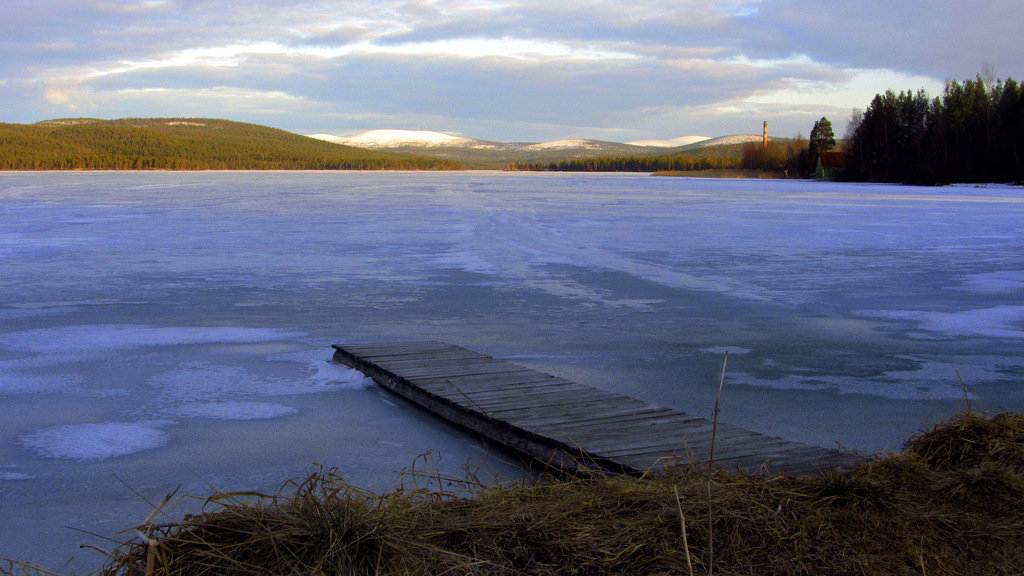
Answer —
764 138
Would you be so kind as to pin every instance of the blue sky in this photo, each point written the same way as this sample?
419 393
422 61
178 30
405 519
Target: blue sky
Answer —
494 69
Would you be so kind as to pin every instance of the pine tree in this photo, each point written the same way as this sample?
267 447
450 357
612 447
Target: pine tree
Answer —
822 139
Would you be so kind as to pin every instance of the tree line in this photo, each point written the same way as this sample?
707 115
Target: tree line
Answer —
633 164
793 158
176 144
974 132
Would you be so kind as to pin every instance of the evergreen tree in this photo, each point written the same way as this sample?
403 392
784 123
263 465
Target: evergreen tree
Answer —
822 139
183 144
974 132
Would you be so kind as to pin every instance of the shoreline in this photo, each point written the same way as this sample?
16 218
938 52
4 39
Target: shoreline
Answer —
948 504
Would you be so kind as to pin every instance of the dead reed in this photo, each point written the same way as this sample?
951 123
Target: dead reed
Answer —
949 504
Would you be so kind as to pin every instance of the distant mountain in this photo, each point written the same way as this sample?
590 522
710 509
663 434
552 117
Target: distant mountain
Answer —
727 140
576 144
391 139
184 144
203 144
386 139
408 139
476 153
673 143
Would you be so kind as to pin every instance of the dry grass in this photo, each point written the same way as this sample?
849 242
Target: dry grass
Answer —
949 504
971 439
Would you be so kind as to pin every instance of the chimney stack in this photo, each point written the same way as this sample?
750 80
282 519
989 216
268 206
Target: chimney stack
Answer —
764 139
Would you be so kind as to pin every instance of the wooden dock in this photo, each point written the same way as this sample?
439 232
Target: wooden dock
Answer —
567 424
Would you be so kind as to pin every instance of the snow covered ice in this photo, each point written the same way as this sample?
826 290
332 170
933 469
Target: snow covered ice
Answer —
175 328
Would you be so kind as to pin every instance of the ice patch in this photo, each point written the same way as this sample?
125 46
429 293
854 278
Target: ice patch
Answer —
235 410
17 313
95 441
105 337
929 380
14 382
335 374
465 261
1006 282
634 303
722 350
905 389
194 382
8 473
997 322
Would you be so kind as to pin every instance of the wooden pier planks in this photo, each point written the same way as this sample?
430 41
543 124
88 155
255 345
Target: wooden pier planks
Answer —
569 424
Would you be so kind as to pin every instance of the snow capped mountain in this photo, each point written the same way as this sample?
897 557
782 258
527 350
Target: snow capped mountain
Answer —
425 139
487 154
731 139
673 143
572 144
395 138
404 138
327 137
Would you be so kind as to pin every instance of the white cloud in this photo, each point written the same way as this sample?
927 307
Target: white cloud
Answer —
623 15
219 101
208 101
787 62
229 56
855 89
239 55
459 48
217 93
516 48
524 67
138 7
58 96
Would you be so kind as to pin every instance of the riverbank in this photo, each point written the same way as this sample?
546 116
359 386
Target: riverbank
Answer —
948 504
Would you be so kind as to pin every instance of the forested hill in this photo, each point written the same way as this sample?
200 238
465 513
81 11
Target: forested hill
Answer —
185 144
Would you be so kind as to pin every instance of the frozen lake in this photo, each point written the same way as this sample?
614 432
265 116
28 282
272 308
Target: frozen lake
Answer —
165 329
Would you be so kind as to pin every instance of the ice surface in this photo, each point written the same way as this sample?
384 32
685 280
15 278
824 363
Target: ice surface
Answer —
996 322
935 382
14 476
235 410
722 350
93 339
14 382
175 328
1005 282
334 374
96 441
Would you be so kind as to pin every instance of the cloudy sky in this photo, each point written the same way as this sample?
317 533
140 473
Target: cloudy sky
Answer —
508 70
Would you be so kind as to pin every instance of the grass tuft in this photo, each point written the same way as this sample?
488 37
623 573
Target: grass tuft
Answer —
320 525
948 505
971 439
